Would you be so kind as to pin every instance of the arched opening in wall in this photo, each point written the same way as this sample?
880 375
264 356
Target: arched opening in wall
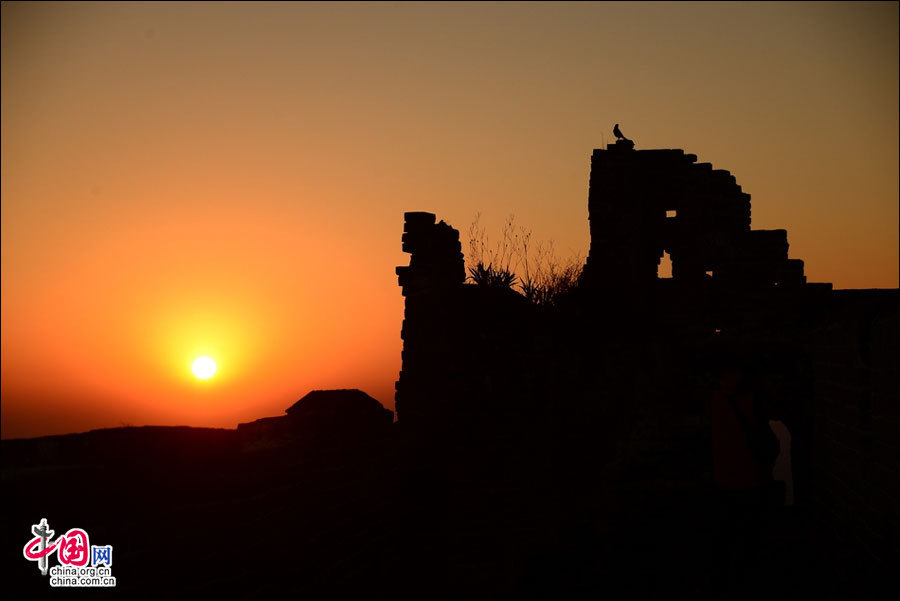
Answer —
664 270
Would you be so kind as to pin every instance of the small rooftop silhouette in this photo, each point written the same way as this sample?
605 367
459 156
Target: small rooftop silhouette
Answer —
344 401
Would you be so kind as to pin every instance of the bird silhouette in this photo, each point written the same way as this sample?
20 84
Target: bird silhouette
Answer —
618 132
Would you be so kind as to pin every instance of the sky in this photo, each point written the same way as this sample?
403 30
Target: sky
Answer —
230 179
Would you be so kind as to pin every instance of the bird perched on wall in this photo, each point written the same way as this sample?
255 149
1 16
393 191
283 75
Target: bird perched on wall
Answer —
621 140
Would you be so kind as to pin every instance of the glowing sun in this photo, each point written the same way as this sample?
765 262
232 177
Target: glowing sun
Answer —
203 367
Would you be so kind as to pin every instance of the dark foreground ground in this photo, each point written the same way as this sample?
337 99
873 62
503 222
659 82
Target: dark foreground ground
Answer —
191 514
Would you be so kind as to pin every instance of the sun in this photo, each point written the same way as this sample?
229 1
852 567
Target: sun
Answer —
203 367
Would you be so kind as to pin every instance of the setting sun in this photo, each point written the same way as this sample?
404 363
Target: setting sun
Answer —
203 367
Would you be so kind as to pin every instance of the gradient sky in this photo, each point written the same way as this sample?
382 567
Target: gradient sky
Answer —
230 179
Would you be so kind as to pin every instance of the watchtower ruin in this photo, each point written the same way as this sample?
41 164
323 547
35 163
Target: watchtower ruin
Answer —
630 351
643 203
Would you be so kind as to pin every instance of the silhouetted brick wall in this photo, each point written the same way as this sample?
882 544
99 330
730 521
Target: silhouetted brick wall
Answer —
642 203
612 380
431 346
855 422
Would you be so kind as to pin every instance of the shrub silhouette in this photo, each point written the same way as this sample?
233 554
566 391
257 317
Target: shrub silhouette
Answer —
495 277
542 277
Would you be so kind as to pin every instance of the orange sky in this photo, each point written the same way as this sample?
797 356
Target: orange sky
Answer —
185 179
